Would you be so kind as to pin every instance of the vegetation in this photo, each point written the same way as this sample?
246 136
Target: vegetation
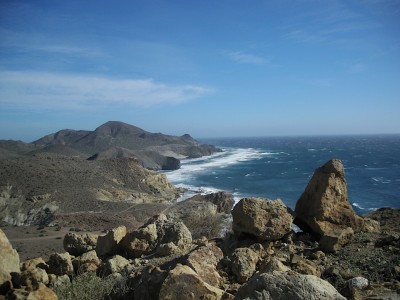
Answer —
88 286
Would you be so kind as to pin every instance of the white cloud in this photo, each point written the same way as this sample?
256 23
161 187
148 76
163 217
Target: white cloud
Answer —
247 58
47 90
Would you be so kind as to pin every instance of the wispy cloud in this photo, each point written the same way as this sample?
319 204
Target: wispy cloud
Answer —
53 91
241 57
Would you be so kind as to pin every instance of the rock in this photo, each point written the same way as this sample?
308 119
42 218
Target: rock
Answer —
224 201
41 292
167 249
108 244
287 285
87 262
77 244
334 240
358 283
140 241
34 263
158 233
183 283
33 276
244 263
305 266
55 280
9 262
114 264
274 265
265 219
324 205
60 264
147 282
204 260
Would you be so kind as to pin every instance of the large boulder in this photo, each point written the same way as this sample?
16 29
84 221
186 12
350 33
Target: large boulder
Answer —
324 205
262 218
159 233
9 262
287 285
325 210
183 283
107 245
77 244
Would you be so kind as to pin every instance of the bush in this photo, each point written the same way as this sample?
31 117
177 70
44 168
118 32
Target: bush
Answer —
87 286
204 224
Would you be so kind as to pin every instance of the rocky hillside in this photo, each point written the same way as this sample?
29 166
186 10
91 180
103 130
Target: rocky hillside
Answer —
336 254
37 189
114 139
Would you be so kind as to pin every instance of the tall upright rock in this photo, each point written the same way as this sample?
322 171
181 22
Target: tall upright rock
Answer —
324 208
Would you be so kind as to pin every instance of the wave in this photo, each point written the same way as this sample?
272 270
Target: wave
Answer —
190 168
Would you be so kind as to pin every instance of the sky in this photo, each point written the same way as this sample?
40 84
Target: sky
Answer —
220 68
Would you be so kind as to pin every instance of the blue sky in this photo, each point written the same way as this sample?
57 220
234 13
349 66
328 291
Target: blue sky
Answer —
208 68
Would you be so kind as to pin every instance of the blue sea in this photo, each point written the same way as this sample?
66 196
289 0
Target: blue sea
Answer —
280 167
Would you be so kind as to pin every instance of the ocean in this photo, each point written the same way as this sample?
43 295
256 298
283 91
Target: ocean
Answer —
280 167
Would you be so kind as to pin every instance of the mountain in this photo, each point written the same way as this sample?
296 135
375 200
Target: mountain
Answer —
114 139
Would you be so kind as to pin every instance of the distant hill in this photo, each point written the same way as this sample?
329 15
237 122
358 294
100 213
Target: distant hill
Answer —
114 139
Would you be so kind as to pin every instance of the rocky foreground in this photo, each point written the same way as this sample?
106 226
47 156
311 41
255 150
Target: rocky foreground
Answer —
204 248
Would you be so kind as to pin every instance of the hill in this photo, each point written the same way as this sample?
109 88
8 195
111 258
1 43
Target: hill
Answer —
114 139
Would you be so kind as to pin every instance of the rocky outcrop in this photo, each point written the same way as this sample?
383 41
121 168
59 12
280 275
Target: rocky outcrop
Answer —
324 208
9 262
287 285
262 218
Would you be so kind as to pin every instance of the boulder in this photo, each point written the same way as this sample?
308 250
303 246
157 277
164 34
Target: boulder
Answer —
244 263
108 244
222 200
87 262
274 265
9 262
335 239
60 264
203 260
324 205
114 264
147 282
40 292
183 283
159 232
77 244
262 218
287 285
357 283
